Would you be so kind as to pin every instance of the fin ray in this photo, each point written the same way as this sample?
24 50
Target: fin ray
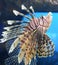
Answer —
14 44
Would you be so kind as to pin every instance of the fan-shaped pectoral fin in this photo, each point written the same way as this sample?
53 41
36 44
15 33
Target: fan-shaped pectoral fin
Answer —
46 48
50 46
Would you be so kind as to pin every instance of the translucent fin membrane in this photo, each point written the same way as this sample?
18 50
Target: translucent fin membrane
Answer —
45 47
33 62
12 61
14 45
8 45
11 32
21 56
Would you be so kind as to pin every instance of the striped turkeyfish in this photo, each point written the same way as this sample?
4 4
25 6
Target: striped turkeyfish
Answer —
32 38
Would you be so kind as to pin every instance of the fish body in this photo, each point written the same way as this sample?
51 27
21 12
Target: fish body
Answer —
32 38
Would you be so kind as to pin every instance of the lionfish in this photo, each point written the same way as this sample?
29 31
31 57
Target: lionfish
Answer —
32 37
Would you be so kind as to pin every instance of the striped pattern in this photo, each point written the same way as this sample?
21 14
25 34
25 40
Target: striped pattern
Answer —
31 47
28 47
38 23
33 40
37 43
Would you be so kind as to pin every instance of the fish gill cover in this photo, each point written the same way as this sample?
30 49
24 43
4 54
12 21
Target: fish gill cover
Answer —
31 40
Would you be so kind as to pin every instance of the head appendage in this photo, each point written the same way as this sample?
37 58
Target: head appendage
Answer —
24 8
